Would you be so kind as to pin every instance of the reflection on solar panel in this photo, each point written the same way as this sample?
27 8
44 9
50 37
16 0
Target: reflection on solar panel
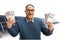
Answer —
2 22
2 18
0 28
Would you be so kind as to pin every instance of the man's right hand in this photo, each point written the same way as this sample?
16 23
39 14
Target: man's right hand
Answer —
10 22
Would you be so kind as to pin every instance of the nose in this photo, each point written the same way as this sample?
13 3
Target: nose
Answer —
29 11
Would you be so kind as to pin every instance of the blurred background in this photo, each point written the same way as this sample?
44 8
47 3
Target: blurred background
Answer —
41 7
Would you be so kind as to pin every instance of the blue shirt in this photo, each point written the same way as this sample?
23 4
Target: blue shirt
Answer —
29 30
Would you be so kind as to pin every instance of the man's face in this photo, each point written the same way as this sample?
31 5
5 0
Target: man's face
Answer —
29 12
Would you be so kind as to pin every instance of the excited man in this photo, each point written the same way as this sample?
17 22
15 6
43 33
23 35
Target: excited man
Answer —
29 27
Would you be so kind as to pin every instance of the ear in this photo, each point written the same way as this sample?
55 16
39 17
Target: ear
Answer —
25 10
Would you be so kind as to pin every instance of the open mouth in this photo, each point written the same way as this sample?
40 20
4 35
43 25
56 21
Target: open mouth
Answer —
29 14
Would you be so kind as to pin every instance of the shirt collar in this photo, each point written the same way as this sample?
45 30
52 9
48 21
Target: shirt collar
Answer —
31 21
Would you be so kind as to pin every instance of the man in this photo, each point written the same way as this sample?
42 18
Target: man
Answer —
29 27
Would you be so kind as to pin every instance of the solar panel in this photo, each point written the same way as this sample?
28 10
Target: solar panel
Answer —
3 21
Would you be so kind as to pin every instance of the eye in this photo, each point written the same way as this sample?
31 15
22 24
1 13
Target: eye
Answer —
32 10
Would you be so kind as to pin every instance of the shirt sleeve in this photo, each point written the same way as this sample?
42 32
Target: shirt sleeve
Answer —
14 30
44 29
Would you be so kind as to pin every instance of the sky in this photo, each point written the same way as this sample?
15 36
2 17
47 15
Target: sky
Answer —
41 7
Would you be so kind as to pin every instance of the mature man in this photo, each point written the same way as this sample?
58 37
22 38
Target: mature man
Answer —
29 27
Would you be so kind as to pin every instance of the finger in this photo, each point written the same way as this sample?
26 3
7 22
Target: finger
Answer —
48 22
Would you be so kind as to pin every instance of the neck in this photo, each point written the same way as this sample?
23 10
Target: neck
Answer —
29 19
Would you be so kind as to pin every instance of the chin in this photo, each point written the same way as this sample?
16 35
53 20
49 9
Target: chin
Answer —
30 17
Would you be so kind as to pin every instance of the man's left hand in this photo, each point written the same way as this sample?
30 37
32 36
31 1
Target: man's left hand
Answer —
50 25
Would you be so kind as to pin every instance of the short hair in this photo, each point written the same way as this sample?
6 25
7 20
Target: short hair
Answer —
29 5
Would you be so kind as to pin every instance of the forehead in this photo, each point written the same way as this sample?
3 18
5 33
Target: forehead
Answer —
29 7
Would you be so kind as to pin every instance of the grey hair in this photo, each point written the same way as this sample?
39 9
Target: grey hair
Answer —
29 5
